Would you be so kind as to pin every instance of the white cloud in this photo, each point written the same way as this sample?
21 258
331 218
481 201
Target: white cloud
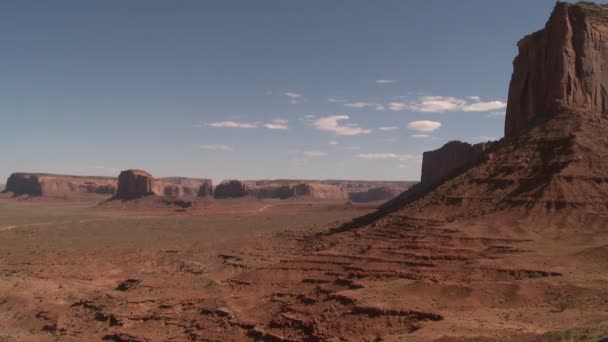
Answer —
277 124
394 156
424 126
485 106
216 147
314 154
389 128
396 106
293 95
333 99
442 104
295 98
232 124
331 124
333 142
385 81
361 104
420 136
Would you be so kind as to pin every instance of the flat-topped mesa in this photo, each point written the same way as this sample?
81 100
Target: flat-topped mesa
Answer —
308 190
564 65
45 184
232 189
135 183
320 191
452 157
180 187
206 189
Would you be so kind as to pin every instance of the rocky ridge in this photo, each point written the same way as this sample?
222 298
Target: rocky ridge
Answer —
44 184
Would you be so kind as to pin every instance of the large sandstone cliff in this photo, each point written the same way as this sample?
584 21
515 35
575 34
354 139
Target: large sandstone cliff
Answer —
553 158
450 158
42 184
563 65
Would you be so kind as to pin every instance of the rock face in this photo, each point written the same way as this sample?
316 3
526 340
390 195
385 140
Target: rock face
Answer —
563 65
205 190
375 194
307 190
231 189
553 158
452 157
136 183
180 187
42 184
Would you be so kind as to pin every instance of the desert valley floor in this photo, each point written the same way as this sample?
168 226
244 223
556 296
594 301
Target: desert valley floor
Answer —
236 270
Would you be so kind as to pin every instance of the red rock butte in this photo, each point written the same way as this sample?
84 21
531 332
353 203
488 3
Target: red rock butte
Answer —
134 183
562 65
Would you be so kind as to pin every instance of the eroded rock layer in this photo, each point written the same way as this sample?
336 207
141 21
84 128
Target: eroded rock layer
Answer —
231 189
136 183
563 65
450 158
42 184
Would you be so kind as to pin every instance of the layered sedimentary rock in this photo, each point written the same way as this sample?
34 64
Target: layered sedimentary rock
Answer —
564 65
42 184
137 183
183 186
205 190
450 158
553 158
231 189
301 190
384 193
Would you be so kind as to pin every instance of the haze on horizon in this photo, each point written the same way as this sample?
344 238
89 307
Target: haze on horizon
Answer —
236 89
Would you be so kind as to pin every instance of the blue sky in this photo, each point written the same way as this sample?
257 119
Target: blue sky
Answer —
252 89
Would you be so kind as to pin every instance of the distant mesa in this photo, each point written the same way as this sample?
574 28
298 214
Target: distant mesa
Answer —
232 189
44 184
138 183
309 190
205 189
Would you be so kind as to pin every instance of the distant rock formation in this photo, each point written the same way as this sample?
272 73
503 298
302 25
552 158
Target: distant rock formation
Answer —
179 187
562 65
320 191
451 157
135 183
553 158
206 189
44 184
231 189
384 193
308 190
